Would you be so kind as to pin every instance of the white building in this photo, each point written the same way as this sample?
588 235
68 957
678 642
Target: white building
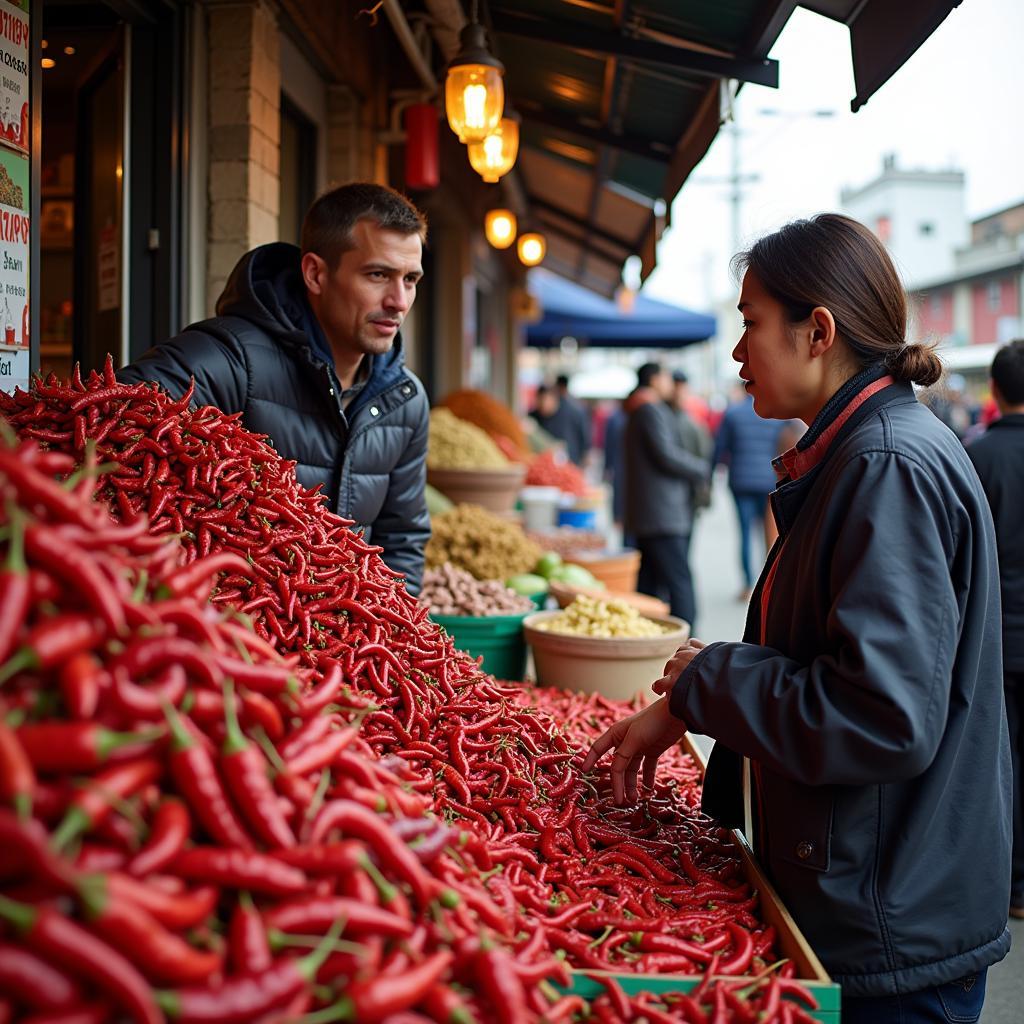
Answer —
919 215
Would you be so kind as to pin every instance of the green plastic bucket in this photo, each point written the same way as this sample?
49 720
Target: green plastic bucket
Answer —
498 638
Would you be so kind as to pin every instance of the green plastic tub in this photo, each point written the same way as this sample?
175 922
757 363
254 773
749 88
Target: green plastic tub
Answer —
497 638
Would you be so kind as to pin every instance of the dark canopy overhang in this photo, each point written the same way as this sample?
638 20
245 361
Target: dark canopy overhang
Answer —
621 99
570 310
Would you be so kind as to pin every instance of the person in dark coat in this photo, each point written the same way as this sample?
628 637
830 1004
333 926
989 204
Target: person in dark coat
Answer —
564 420
998 456
747 443
306 345
860 731
660 475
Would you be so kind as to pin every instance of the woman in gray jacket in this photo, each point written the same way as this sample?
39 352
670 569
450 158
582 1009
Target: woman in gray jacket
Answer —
860 730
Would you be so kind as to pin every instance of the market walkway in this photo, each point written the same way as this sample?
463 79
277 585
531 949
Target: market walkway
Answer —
715 562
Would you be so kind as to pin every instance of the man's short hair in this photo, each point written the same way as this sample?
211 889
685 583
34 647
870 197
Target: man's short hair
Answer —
647 373
679 377
1008 372
327 226
562 381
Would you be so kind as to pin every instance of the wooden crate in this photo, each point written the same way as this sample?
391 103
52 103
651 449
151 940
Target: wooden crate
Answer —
789 941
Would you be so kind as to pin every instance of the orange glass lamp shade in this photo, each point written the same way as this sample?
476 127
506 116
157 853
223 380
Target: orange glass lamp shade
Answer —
496 155
500 228
474 90
532 248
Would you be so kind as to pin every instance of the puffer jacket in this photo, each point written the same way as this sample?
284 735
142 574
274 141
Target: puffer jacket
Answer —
868 695
255 357
748 444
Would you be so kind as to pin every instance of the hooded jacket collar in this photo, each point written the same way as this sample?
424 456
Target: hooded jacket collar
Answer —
266 288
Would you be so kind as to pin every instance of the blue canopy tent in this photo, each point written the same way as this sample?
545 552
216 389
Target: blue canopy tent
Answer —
596 321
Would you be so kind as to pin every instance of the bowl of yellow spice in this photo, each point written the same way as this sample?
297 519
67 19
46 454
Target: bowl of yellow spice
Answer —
602 645
466 465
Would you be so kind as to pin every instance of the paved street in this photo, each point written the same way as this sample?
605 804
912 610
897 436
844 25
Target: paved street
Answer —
715 562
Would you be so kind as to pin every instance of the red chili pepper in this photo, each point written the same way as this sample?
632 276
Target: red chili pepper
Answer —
176 909
248 945
270 680
371 1000
161 956
148 653
145 703
170 830
53 641
26 844
38 491
17 777
46 547
66 748
244 997
62 942
82 679
187 579
321 753
83 1013
318 699
35 982
743 950
15 584
239 869
495 971
93 803
245 771
317 913
195 776
446 1006
357 822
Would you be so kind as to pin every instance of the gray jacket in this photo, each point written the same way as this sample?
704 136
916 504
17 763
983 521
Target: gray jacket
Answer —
659 472
256 357
872 707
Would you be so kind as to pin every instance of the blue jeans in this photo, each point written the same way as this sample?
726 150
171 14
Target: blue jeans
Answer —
750 507
956 1002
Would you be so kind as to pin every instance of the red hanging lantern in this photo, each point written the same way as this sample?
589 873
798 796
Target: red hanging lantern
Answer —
422 158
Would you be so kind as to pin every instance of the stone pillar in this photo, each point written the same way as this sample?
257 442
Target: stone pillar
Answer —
351 145
244 133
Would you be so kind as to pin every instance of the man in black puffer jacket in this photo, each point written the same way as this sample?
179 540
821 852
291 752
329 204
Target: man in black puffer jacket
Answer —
305 345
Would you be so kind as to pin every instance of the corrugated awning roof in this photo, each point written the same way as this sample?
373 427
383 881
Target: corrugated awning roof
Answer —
620 99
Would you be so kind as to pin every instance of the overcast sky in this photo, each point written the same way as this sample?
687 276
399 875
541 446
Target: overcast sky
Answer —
958 102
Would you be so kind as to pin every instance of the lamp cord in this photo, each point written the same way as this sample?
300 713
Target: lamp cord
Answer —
474 13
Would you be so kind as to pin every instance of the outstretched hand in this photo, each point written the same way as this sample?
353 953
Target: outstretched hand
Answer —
638 740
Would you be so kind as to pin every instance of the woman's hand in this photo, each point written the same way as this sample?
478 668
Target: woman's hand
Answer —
675 665
641 738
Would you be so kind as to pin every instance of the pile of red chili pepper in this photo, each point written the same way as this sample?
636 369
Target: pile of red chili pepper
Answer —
549 470
535 857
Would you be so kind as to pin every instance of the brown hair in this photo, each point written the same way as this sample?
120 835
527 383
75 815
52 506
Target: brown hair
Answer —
834 261
327 226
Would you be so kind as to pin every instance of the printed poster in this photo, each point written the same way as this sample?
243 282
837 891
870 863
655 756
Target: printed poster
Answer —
14 63
15 222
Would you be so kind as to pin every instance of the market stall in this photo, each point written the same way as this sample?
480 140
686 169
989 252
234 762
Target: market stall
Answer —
246 777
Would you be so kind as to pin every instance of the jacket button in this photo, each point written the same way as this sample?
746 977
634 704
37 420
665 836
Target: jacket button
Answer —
374 411
406 389
331 390
804 849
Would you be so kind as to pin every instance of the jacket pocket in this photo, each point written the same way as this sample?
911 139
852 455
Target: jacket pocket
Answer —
798 822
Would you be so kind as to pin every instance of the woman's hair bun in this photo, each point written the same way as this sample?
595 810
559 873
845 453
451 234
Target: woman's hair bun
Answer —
917 363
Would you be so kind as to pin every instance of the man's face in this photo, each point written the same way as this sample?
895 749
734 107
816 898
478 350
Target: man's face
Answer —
362 301
680 391
662 384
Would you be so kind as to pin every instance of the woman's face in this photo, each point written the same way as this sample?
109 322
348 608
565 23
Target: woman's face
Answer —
775 358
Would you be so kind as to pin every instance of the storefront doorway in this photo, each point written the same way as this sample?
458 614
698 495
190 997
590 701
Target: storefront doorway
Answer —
110 229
